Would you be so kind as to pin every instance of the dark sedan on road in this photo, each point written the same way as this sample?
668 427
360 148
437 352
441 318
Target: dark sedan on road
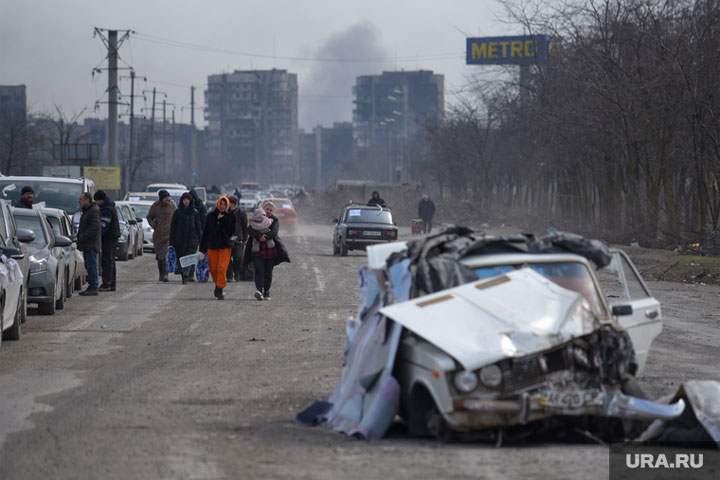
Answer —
48 270
361 225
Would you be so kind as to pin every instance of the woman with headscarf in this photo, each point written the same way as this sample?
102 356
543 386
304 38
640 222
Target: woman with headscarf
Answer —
185 231
264 248
219 228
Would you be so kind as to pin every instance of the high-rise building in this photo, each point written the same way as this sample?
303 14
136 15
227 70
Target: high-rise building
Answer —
13 100
252 120
323 154
14 129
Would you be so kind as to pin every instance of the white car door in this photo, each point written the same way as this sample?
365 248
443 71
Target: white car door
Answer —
631 303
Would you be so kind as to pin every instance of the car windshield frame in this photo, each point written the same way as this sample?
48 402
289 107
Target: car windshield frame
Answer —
583 286
60 195
26 222
368 215
140 209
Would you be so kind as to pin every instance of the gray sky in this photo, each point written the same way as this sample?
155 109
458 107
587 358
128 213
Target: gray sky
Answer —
48 45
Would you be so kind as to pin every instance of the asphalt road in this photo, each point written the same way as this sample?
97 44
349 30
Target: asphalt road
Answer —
163 381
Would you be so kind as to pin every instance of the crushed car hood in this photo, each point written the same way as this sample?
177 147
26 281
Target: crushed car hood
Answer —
512 315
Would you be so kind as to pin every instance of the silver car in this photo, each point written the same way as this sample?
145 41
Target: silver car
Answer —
49 271
62 225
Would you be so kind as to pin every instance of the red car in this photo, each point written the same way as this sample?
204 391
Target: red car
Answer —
284 210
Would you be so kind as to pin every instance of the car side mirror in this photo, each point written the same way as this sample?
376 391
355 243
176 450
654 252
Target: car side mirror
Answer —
622 310
62 241
24 236
138 219
132 222
13 252
334 220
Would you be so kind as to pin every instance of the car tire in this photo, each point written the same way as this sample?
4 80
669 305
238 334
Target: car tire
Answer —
131 253
60 302
140 251
78 283
47 308
23 314
13 333
69 286
343 250
124 255
336 250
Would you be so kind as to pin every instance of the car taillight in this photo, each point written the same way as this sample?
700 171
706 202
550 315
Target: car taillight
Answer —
353 232
389 233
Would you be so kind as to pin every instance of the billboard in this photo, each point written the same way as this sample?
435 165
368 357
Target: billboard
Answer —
519 50
105 178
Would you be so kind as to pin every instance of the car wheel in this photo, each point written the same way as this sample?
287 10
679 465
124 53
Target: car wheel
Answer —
124 255
13 333
140 251
47 308
336 250
131 253
23 312
343 250
69 286
78 283
60 302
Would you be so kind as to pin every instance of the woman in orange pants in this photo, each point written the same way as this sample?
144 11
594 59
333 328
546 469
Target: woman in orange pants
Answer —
216 242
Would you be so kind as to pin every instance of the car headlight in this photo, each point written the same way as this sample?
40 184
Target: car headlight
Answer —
38 265
491 376
465 381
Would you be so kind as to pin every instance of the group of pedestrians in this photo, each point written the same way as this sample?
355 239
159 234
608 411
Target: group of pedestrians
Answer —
224 235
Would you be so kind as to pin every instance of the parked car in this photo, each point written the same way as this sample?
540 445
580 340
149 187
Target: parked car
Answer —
249 200
362 225
62 193
284 210
62 225
140 196
125 246
156 187
142 208
137 226
13 297
48 267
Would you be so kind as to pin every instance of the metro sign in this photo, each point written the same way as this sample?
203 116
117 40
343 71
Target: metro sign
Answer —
517 50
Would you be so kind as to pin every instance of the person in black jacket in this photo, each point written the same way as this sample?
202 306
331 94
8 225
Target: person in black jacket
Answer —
199 207
185 231
26 197
376 200
426 211
235 270
264 248
216 241
89 240
110 233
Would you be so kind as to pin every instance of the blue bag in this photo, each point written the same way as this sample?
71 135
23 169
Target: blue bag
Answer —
171 260
202 270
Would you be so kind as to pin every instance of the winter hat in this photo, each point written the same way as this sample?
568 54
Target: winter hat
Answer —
163 193
100 195
259 221
26 189
184 196
233 199
227 202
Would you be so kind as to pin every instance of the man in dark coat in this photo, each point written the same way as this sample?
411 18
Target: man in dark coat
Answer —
376 200
26 197
199 206
160 217
110 233
426 211
89 240
185 231
236 268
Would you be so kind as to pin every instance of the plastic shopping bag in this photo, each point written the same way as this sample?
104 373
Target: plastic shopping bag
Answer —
171 259
203 269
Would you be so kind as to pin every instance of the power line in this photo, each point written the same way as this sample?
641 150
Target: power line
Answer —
205 48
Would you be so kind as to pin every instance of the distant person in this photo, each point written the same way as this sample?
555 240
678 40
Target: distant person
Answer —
264 248
426 211
89 240
235 269
110 233
199 206
185 231
160 218
26 197
376 200
215 241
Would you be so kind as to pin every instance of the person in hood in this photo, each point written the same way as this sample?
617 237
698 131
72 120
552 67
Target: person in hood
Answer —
89 240
235 270
264 248
199 206
26 197
110 233
426 211
185 231
216 242
160 218
376 200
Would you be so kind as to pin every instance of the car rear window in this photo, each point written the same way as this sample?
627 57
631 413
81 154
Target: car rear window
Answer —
368 215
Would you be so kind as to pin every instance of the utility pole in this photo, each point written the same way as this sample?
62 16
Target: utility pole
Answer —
172 145
193 138
132 124
164 130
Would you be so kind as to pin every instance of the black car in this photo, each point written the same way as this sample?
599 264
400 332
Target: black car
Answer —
362 225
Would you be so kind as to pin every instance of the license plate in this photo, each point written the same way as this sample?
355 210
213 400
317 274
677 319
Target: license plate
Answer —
372 233
572 399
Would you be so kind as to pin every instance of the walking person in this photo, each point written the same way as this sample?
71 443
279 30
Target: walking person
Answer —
199 206
264 248
426 211
235 269
160 218
376 200
26 197
89 240
215 242
110 233
185 231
